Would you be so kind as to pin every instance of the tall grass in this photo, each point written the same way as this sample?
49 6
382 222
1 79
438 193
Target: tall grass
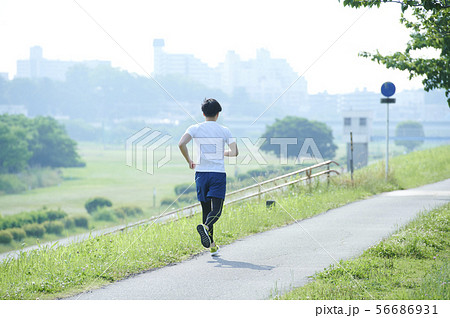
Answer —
66 270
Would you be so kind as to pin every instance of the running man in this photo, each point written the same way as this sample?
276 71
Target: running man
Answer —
210 178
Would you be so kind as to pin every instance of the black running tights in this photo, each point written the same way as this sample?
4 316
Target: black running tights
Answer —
212 209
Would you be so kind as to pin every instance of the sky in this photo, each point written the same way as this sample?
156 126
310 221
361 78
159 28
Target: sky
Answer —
320 39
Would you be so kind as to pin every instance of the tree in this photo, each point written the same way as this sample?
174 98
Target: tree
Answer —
51 146
409 130
430 28
300 128
14 152
41 141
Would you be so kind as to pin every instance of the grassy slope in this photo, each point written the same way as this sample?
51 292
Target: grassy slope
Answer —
414 263
417 266
51 273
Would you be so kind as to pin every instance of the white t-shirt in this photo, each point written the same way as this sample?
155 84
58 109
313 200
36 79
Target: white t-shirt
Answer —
209 144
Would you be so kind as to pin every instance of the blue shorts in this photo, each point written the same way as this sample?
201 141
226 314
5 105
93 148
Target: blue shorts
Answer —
210 185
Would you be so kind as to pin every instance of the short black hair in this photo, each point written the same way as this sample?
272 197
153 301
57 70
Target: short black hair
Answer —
211 107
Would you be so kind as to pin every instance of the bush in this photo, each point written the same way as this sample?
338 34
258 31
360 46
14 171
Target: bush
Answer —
54 227
56 215
92 205
5 237
35 230
23 218
119 213
17 234
37 216
81 221
185 188
188 199
105 215
130 211
68 222
169 201
10 183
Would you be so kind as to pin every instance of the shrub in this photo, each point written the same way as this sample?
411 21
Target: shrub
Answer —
105 215
10 183
81 221
23 218
68 222
188 199
17 234
35 230
169 201
130 210
5 237
37 216
92 205
185 188
6 223
56 215
54 227
119 213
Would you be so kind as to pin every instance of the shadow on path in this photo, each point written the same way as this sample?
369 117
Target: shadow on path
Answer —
233 264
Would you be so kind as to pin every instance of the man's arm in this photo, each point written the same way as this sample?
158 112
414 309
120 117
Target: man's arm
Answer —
184 151
233 152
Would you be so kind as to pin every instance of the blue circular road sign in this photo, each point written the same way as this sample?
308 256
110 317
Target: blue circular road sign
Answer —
388 89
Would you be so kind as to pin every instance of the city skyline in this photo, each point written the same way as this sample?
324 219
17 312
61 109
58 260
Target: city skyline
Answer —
319 40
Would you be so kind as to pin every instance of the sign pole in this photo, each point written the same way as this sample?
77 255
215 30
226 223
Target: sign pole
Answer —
387 142
351 155
387 89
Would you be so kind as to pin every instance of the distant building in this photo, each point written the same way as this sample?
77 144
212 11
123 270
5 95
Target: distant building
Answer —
359 123
13 110
264 79
39 67
183 64
3 75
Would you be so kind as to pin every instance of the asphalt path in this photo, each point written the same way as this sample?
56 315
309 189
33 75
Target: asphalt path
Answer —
271 263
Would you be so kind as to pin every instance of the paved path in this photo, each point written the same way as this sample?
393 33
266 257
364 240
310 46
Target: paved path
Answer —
276 261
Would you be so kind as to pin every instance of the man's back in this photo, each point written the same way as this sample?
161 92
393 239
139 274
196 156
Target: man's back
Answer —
209 145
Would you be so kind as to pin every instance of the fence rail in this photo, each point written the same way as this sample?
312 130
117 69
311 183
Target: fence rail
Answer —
246 193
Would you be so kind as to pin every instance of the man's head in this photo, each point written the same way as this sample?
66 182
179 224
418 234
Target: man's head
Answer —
211 107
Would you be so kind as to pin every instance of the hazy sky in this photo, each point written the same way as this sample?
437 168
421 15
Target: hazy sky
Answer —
297 30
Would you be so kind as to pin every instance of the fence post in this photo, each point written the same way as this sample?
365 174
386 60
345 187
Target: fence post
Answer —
328 175
308 175
259 192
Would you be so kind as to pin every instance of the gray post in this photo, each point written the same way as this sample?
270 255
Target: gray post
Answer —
351 155
387 142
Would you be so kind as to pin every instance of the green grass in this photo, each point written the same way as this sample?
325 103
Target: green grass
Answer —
411 264
107 175
66 270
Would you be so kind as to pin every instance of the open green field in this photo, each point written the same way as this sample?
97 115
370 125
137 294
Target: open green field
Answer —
106 174
67 270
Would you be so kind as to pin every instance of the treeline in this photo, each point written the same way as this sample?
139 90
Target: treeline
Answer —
105 93
30 142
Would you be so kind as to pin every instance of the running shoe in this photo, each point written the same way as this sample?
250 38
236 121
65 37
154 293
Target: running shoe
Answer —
215 250
204 236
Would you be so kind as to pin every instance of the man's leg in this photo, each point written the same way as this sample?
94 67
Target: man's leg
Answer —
214 215
206 209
